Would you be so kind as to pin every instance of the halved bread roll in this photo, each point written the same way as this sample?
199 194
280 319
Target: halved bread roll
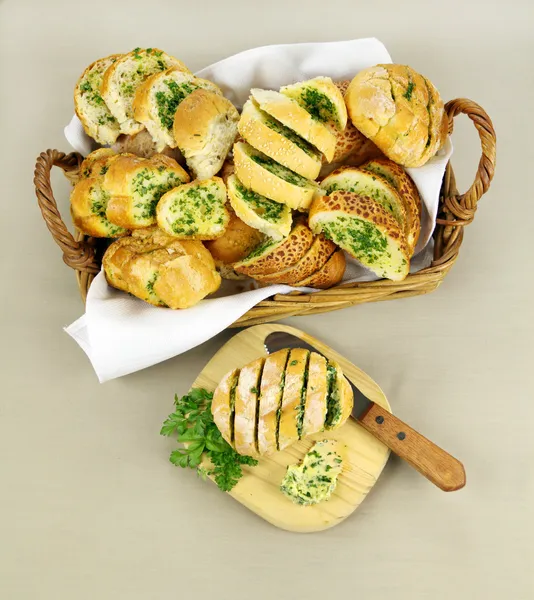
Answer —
365 230
272 257
330 274
89 106
289 427
246 405
135 186
340 397
270 217
267 177
316 395
194 210
322 99
94 163
125 75
278 142
365 183
223 405
291 114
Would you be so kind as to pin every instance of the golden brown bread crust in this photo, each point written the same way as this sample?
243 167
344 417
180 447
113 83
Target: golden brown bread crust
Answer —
221 406
282 255
93 163
316 395
246 404
330 274
314 259
288 430
399 110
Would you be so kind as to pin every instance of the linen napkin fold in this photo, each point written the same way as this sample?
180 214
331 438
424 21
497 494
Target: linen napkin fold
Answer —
121 334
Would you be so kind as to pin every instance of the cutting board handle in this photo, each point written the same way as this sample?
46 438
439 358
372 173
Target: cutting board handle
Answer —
430 460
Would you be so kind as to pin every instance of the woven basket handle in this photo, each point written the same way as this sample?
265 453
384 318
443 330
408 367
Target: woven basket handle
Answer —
79 255
461 208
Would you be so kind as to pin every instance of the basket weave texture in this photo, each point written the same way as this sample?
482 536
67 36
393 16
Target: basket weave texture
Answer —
84 254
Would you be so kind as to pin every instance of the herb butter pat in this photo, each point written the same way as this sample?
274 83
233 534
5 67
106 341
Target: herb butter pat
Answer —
315 479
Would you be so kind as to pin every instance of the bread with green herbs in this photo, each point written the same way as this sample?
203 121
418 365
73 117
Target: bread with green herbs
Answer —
246 408
123 78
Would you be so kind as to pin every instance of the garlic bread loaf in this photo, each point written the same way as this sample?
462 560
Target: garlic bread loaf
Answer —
96 163
135 186
160 269
122 79
273 402
265 176
95 116
194 210
365 229
278 142
271 218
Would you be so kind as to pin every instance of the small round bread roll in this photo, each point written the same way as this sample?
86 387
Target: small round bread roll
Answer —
400 111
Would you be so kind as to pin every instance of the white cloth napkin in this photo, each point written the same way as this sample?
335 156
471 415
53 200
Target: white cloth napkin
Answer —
121 334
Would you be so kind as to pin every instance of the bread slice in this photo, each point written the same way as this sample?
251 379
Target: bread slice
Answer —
157 99
246 407
97 120
270 217
330 274
314 259
293 398
205 126
278 142
340 397
267 177
94 163
291 114
272 257
316 396
135 186
271 388
194 210
223 405
365 229
365 183
125 75
322 99
397 177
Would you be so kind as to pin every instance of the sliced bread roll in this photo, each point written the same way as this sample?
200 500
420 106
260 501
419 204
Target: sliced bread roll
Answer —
330 274
292 115
95 164
314 259
365 229
135 186
157 99
359 181
316 401
340 397
322 99
267 177
246 407
272 257
194 210
95 116
205 126
125 75
278 142
289 427
223 405
270 217
397 177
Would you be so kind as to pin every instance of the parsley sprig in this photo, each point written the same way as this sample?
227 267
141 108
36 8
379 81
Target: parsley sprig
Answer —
193 424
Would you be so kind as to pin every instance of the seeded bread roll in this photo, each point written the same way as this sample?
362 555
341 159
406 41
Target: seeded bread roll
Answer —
400 111
125 75
330 274
97 120
278 142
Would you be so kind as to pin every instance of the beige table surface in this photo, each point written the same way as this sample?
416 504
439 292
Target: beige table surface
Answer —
90 508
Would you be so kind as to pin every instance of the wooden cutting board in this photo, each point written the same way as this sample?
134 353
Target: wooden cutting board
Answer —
364 456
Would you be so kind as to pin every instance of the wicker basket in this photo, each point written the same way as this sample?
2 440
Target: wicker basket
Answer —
84 254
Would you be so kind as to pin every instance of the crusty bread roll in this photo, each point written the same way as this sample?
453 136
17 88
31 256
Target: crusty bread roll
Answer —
205 126
278 142
330 274
97 120
270 217
265 176
125 75
273 402
194 210
400 111
272 257
158 97
396 176
94 164
291 114
160 269
365 229
135 186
